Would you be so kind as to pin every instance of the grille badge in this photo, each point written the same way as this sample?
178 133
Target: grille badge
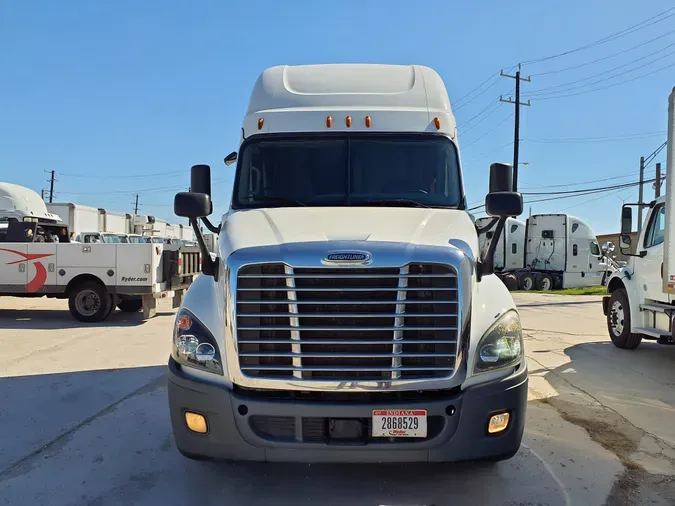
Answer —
347 257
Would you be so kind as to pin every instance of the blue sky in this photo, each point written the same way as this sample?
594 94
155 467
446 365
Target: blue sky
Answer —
123 97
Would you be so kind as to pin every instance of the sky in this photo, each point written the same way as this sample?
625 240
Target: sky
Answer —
123 97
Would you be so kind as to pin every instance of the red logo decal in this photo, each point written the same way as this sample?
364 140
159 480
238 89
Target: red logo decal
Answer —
40 272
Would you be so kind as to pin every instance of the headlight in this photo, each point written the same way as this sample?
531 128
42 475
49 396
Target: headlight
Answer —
501 346
193 344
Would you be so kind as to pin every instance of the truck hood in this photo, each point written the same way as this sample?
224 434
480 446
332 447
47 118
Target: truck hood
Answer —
268 227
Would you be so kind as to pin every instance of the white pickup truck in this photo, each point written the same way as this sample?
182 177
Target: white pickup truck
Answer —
348 315
37 259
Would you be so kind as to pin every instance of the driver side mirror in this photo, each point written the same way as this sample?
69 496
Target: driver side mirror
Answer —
626 227
200 180
502 201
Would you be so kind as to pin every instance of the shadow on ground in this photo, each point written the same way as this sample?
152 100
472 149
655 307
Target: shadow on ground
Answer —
633 397
41 319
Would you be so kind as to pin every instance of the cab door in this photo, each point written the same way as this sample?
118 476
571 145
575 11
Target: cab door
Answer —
649 268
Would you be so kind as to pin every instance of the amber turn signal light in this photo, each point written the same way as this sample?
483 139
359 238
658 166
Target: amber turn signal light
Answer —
196 422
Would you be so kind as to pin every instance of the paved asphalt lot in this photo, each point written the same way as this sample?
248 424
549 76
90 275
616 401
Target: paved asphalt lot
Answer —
84 420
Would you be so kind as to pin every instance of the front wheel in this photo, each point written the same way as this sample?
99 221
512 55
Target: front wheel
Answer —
618 322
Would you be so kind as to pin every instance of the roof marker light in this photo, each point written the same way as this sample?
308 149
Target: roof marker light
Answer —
437 122
329 121
368 122
348 121
260 123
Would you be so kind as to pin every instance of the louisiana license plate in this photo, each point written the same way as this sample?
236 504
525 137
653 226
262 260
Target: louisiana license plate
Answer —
399 423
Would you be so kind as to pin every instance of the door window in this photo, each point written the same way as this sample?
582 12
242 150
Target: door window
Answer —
595 249
656 232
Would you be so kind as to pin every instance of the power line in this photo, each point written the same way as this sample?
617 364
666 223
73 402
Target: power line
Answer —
573 67
483 118
606 87
134 176
585 140
578 193
545 91
626 31
488 132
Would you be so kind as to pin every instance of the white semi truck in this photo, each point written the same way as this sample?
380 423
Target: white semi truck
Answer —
641 300
348 315
548 251
38 259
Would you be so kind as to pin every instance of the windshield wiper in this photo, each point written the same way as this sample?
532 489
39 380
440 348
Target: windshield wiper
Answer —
391 202
278 198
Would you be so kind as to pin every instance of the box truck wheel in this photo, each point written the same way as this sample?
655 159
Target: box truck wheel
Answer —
618 321
90 302
527 281
544 282
131 305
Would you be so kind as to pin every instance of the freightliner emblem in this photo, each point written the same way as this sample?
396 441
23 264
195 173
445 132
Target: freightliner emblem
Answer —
348 257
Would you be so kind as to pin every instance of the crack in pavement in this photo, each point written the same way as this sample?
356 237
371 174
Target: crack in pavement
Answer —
26 463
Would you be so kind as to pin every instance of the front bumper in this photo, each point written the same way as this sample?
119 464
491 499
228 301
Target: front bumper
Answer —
458 434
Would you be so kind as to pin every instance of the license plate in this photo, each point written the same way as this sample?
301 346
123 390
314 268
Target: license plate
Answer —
399 423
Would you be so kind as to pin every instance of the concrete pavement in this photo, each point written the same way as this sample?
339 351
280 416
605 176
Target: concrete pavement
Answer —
84 416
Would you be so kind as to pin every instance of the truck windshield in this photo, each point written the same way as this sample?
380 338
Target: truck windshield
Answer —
359 170
110 238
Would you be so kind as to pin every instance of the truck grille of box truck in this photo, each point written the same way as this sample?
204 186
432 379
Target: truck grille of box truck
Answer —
347 324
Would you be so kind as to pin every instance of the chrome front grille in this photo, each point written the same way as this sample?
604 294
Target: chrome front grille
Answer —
347 324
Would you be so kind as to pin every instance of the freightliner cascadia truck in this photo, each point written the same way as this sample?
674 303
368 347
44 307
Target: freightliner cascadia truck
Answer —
348 315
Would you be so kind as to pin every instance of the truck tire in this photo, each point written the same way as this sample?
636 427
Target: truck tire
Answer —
90 302
543 282
130 305
511 282
618 322
526 281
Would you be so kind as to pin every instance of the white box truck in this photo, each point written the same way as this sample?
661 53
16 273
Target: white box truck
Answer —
556 251
113 222
348 315
641 300
37 259
77 217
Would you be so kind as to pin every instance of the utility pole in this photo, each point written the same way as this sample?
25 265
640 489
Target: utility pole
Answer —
51 185
640 194
136 205
42 194
516 129
657 188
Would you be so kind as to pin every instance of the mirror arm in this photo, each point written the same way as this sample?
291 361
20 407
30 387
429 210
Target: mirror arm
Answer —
209 266
486 265
211 226
488 226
